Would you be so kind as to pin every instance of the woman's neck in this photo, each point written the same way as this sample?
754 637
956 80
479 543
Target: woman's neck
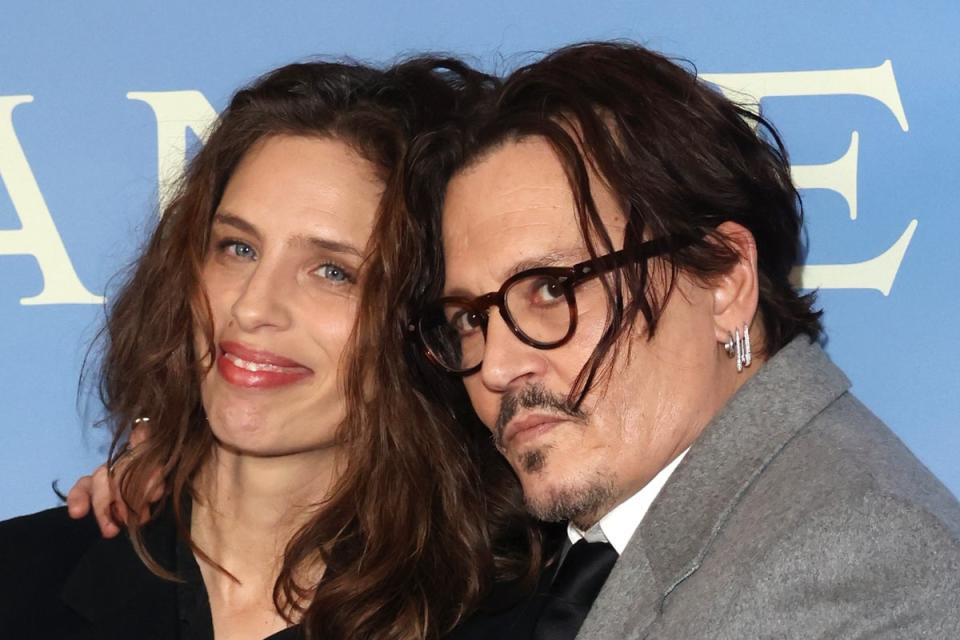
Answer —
248 509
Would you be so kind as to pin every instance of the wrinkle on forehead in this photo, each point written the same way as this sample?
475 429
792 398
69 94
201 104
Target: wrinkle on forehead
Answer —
487 236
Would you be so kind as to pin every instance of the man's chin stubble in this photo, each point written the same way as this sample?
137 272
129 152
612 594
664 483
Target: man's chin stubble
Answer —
584 504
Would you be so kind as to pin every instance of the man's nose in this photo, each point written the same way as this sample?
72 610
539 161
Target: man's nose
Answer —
508 361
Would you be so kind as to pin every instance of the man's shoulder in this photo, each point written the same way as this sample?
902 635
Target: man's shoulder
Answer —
845 467
846 511
846 457
842 532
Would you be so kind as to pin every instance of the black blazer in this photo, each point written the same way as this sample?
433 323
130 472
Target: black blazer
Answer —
60 580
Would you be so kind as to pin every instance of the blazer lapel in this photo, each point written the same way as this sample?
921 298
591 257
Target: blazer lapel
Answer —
675 535
113 590
629 599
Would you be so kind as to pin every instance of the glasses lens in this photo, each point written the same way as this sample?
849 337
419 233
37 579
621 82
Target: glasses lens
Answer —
540 307
454 336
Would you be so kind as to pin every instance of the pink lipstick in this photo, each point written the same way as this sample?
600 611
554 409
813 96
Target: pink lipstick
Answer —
257 369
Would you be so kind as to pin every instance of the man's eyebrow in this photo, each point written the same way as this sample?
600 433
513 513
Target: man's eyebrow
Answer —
566 258
553 259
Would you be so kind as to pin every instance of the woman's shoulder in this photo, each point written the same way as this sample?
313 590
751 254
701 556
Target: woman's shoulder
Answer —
44 526
59 578
47 538
38 553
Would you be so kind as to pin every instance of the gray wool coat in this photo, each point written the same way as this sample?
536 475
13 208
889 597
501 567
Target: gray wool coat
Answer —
796 514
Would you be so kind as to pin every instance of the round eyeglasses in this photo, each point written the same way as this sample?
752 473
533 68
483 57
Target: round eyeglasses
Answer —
538 305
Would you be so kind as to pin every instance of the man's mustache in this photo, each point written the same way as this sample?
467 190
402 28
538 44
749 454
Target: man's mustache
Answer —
532 396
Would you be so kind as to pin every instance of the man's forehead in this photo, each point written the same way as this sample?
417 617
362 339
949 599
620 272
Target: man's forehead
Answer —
514 177
513 209
512 206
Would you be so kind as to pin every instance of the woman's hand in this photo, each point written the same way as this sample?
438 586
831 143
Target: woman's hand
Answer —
100 491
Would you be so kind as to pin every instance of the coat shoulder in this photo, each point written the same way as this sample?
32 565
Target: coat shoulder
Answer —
38 552
844 532
847 455
37 546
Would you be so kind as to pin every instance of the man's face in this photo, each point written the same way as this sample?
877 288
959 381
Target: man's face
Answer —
513 211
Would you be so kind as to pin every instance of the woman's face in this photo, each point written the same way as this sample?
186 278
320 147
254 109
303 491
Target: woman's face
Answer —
281 273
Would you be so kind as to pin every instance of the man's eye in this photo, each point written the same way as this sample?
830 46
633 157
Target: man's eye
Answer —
466 322
547 290
334 273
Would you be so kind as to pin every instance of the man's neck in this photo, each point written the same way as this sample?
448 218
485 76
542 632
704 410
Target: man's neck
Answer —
618 524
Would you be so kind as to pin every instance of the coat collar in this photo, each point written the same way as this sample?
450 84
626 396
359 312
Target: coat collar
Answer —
112 589
796 384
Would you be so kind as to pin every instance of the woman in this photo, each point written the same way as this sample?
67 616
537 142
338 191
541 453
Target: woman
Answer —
291 501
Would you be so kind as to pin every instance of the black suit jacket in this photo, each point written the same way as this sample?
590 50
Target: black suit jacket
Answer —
62 581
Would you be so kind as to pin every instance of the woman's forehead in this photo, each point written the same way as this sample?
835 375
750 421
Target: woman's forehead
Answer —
300 187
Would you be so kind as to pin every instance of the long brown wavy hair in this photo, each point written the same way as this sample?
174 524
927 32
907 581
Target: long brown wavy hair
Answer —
426 515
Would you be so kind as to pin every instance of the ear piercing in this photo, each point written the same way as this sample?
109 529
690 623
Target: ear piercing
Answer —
127 450
738 346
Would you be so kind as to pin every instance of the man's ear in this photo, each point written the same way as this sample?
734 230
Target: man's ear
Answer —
736 293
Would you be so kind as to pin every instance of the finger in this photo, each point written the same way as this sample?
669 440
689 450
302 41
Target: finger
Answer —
78 499
118 509
102 497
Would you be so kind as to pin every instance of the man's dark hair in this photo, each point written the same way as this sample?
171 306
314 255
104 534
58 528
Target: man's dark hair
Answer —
680 157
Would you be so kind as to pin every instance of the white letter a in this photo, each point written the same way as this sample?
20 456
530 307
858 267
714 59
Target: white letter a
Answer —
38 236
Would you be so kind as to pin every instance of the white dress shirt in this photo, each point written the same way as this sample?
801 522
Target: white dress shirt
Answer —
618 526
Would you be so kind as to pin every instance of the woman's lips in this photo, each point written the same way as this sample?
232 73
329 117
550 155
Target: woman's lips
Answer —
255 369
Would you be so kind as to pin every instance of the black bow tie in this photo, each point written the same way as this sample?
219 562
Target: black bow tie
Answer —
576 585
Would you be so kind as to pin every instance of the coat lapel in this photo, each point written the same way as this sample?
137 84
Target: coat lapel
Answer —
735 448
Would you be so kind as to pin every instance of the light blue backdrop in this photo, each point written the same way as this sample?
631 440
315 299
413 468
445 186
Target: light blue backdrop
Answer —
92 153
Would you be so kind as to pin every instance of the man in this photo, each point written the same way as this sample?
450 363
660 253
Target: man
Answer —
617 240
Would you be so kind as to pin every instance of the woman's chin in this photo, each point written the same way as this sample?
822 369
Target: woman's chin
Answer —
242 431
261 441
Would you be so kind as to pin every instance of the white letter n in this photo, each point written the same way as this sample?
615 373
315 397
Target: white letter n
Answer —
175 111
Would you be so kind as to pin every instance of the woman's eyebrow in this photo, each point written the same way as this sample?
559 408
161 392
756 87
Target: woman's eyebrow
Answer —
231 220
328 245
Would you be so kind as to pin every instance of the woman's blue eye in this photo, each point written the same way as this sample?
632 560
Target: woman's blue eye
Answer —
237 249
242 250
334 273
